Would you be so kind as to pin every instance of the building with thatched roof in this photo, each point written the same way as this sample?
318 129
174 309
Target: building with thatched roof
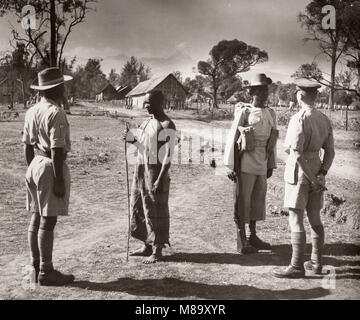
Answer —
175 93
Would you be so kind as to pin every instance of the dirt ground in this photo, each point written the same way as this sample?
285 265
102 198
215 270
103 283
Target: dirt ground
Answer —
202 262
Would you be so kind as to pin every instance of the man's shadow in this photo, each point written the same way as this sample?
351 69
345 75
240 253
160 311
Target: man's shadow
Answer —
176 288
279 256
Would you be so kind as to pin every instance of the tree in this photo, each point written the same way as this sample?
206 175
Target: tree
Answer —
352 31
231 85
196 85
286 92
178 75
332 42
88 80
343 81
58 16
133 72
114 78
228 58
16 69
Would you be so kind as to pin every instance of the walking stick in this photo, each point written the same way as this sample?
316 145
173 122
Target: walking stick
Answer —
128 196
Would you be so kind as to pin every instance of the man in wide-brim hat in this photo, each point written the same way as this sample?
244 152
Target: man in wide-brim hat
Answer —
47 141
250 156
308 132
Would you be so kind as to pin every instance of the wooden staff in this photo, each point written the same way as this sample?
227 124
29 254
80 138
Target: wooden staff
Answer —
128 196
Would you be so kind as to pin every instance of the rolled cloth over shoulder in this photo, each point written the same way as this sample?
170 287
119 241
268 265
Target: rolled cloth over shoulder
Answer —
231 138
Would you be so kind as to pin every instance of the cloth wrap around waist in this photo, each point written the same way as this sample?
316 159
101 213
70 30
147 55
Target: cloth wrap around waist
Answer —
149 211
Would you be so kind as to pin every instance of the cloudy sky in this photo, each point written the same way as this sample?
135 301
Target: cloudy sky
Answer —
173 35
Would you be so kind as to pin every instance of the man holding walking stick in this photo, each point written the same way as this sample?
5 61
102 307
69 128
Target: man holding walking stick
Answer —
150 189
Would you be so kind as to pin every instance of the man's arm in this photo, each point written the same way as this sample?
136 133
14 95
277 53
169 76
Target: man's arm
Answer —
329 153
166 160
57 157
29 153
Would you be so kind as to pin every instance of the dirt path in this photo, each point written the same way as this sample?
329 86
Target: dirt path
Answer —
202 262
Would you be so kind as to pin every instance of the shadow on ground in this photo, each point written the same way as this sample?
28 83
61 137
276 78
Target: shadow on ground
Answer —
175 288
280 256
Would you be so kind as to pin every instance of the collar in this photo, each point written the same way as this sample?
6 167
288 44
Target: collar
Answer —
307 106
44 99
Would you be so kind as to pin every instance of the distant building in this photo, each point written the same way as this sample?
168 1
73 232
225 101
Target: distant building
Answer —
233 99
175 93
106 93
122 91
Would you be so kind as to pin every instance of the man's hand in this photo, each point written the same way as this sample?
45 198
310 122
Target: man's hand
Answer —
126 136
319 185
232 176
156 186
269 173
59 188
321 179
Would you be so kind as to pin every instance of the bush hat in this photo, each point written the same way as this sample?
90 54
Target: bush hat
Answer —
259 79
49 78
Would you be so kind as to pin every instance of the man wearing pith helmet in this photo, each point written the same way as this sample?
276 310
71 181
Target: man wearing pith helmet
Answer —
47 141
308 132
250 156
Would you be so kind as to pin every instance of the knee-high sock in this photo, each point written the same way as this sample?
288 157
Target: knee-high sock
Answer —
298 242
317 239
33 240
46 244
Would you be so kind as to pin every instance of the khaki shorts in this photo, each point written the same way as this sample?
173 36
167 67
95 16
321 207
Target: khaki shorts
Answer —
300 196
40 196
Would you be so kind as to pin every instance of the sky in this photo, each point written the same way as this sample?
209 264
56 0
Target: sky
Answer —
171 35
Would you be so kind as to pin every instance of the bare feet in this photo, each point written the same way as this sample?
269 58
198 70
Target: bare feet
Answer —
152 259
144 251
155 256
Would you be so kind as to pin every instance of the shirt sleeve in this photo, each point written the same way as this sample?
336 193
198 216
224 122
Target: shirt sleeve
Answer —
329 149
295 137
58 130
30 131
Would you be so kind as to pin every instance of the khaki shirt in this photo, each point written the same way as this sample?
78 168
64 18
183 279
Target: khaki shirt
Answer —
262 120
308 132
46 127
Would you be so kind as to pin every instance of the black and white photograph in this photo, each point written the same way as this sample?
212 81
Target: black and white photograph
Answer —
179 154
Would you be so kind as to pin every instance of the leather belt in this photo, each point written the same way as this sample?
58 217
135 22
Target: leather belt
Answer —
44 154
47 154
259 143
311 155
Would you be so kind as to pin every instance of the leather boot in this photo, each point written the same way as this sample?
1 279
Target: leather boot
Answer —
296 268
255 241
